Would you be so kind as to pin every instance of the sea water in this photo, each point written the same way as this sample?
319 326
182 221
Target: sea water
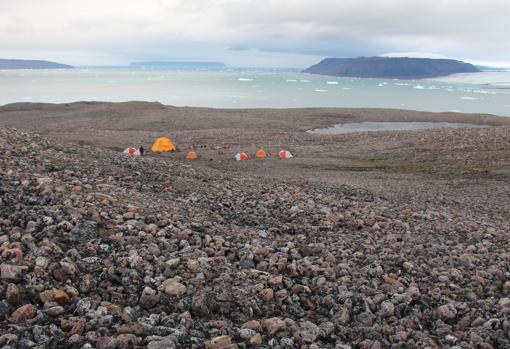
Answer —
254 88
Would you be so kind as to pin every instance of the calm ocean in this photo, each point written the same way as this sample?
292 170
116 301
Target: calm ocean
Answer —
244 88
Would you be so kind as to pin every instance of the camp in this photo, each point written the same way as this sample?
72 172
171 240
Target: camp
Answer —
192 155
163 144
261 154
285 154
132 151
240 156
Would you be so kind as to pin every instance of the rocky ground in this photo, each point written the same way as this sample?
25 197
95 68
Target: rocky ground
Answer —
100 250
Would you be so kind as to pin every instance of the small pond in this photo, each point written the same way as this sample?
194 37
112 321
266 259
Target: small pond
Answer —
389 126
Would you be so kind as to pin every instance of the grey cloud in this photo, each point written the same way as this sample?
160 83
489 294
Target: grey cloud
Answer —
166 28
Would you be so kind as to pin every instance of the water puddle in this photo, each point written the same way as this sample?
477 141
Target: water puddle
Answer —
390 126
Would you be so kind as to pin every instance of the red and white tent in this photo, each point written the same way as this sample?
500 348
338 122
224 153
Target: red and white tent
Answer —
285 154
132 151
240 156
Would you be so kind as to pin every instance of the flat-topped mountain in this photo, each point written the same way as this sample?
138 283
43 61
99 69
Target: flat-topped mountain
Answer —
6 64
178 65
390 67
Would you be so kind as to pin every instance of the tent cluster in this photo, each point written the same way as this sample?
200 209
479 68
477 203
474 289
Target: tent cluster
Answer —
164 144
261 153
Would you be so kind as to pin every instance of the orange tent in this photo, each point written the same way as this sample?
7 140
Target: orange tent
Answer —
261 153
163 144
192 155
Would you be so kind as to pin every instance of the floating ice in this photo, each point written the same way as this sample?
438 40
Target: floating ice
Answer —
291 80
305 80
332 82
244 79
468 98
319 90
419 87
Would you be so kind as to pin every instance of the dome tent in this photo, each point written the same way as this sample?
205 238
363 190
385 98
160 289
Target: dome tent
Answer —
261 154
192 155
132 151
162 144
285 154
240 156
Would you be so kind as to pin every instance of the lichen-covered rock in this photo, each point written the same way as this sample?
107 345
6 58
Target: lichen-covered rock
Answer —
84 232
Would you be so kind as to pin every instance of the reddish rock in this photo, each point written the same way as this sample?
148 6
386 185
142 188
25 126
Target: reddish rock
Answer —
252 325
256 340
23 313
55 295
13 294
274 325
276 280
218 324
221 342
267 294
11 272
106 343
78 327
129 215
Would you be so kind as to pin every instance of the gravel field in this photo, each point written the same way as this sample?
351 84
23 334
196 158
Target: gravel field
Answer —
386 240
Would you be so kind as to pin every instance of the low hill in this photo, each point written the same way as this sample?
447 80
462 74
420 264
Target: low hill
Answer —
390 67
7 64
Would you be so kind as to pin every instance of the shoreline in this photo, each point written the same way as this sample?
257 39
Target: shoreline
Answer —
398 109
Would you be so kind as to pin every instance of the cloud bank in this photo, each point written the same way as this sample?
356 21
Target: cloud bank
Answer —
251 32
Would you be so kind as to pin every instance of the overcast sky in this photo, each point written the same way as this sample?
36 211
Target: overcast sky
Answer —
294 33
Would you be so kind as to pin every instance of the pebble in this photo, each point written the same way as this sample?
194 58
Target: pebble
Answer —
55 311
174 288
13 294
56 295
84 232
447 311
106 342
10 272
252 325
23 313
256 340
221 342
274 325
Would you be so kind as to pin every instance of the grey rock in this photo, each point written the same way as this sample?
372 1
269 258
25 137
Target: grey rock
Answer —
84 232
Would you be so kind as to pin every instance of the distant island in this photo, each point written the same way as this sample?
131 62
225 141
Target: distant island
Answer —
390 67
7 64
178 65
